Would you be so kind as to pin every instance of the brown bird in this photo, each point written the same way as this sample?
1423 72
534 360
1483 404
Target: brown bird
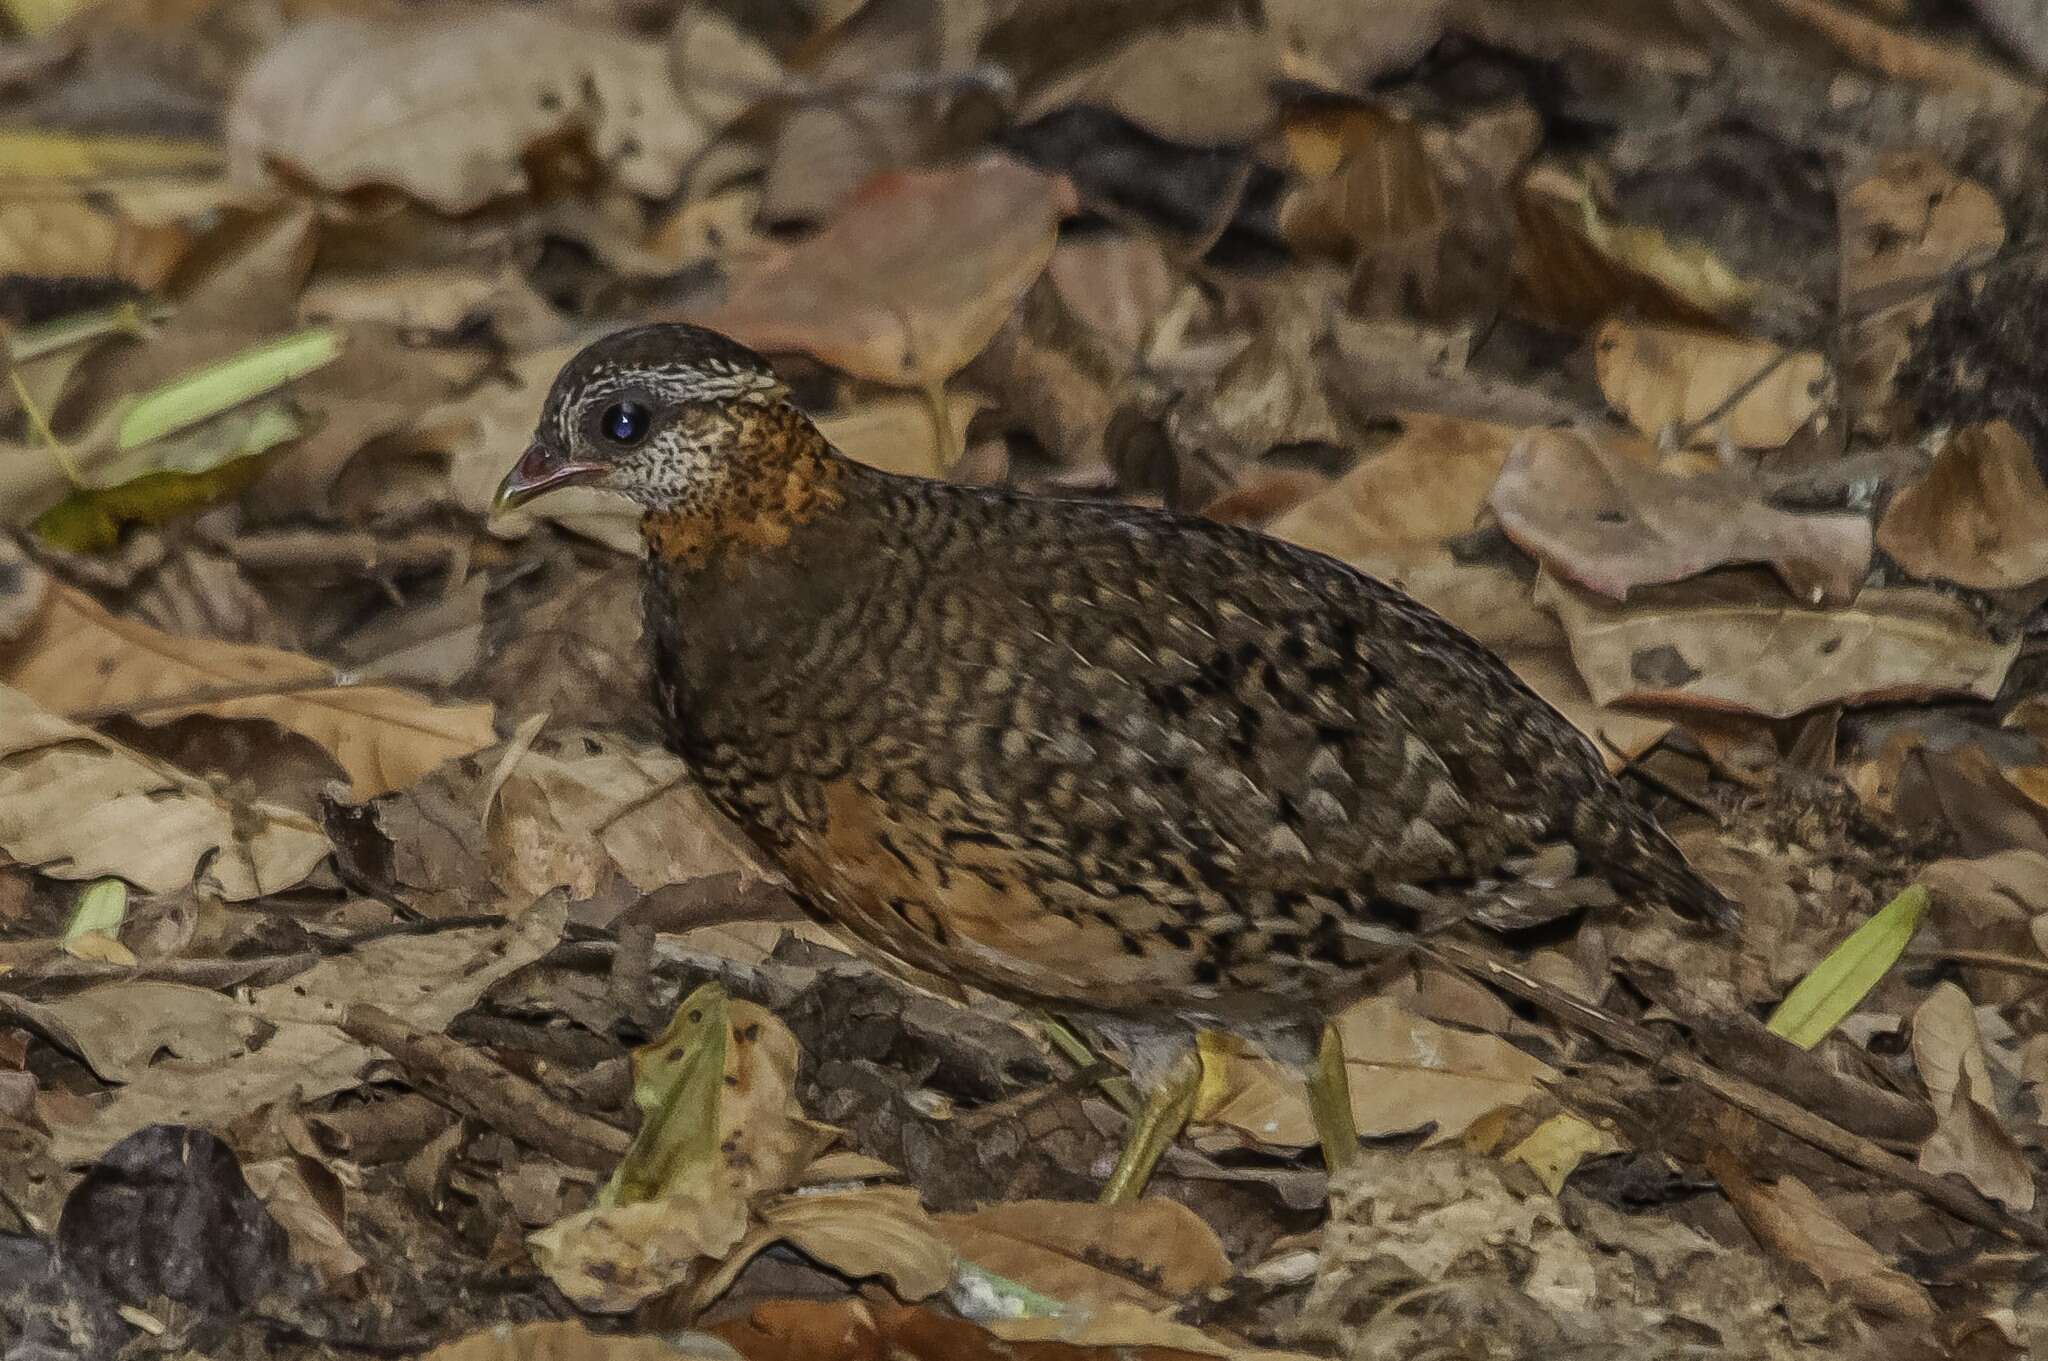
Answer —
1107 760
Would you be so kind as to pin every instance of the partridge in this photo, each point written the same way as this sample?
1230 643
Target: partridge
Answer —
1102 759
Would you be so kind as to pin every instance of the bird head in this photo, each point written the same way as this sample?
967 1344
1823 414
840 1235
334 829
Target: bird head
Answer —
659 414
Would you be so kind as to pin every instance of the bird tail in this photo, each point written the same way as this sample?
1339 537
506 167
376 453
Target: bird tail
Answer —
1641 858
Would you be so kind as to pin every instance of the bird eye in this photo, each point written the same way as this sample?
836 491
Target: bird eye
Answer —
624 422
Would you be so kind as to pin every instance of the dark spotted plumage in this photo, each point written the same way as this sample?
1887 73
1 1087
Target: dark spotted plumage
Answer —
1084 753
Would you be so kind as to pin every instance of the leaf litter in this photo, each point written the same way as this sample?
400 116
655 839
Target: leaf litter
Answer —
1730 457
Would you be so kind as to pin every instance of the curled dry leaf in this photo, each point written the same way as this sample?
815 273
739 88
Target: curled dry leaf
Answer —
1975 519
76 805
1575 263
1790 1221
1662 377
1968 1139
1391 514
1407 1074
1903 230
445 104
1596 509
911 279
300 1053
1722 642
80 659
1153 1253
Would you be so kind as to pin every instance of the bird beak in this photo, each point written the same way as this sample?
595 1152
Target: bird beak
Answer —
539 470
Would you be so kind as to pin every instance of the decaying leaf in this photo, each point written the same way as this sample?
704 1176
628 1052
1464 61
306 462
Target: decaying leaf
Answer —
1575 263
76 805
1597 509
81 659
299 1052
1722 642
1555 1149
1903 230
1790 1220
1975 519
1407 1074
1969 1138
1757 394
445 105
911 279
1154 1253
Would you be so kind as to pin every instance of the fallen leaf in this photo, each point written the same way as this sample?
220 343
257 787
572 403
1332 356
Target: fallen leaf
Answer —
911 279
858 1330
1368 183
427 980
58 236
898 433
76 805
1722 642
869 1231
1555 1149
81 659
1576 263
1196 84
1903 228
1790 1221
121 1030
1662 377
1975 518
1948 1052
1153 1253
1407 1074
1596 508
571 1341
316 1239
1429 485
1119 284
445 105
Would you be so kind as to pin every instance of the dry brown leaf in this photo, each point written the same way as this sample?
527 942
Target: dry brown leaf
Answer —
1912 57
1975 519
121 1029
1576 264
1617 734
1903 230
80 659
1153 1253
299 1053
76 805
865 1232
899 434
911 279
1723 642
1425 487
1394 365
58 235
1596 508
1662 377
1406 1073
445 104
1196 84
1790 1220
1357 41
1368 182
316 1239
1119 285
1948 1051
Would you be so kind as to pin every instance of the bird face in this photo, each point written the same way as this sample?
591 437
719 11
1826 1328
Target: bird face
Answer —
657 414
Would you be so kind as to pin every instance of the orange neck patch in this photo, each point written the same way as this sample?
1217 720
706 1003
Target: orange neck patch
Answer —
781 474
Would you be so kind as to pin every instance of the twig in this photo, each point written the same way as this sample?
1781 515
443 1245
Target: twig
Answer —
1953 1196
1633 765
1981 959
1685 432
470 1084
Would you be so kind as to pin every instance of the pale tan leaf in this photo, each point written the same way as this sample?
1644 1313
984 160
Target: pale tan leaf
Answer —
1197 84
1903 229
1152 1253
897 433
444 104
76 805
1597 507
302 1055
913 277
1662 377
1407 1074
80 659
1976 518
1722 642
575 1342
871 1231
1968 1138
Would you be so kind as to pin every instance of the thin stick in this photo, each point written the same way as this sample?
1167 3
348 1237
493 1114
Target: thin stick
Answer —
1953 1196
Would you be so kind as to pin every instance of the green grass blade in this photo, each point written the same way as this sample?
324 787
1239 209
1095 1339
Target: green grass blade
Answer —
192 397
1839 983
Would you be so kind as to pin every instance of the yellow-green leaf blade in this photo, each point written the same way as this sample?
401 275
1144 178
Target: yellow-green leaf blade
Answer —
1839 983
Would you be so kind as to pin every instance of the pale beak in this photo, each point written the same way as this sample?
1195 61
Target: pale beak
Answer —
541 469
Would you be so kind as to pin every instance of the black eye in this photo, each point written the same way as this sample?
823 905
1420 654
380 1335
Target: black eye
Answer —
624 422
